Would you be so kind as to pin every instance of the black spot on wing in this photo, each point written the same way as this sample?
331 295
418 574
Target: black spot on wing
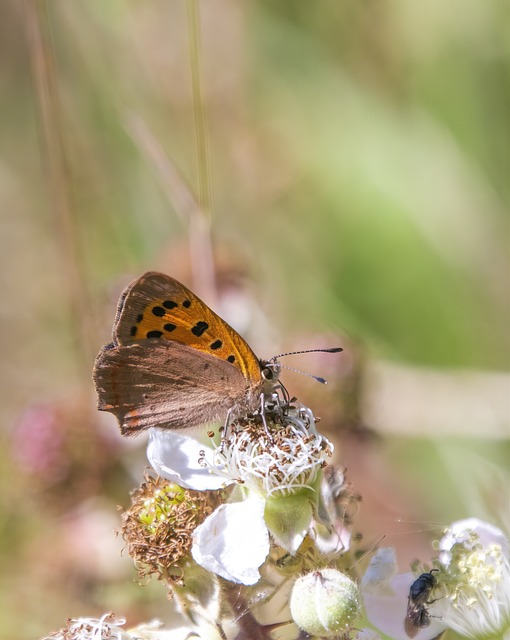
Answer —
199 328
159 311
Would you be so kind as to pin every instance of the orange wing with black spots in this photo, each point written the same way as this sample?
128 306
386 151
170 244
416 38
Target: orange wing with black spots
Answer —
158 306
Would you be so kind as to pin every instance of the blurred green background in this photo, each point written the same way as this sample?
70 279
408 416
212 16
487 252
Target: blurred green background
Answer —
359 161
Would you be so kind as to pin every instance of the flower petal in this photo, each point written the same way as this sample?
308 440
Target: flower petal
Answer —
381 569
330 541
367 634
459 532
233 541
176 457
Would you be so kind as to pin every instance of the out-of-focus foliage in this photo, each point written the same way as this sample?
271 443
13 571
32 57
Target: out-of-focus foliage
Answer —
359 164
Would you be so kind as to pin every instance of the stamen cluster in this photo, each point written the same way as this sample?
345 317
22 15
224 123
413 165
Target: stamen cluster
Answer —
476 582
278 460
476 570
108 627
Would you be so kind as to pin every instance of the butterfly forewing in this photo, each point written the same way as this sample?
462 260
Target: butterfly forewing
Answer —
158 306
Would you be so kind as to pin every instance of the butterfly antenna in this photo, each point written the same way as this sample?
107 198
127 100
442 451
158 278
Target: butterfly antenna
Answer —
296 353
304 373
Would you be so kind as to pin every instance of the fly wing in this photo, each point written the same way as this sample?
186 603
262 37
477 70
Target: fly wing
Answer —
159 383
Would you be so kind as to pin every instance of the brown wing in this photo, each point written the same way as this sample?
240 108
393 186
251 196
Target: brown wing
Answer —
158 306
159 383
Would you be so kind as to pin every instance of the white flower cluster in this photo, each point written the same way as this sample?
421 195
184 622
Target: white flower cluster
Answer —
470 587
278 474
271 506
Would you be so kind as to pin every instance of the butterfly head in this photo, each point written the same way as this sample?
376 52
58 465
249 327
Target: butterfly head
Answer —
270 370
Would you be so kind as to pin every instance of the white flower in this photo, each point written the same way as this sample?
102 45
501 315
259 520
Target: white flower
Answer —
385 596
477 579
279 476
472 594
461 531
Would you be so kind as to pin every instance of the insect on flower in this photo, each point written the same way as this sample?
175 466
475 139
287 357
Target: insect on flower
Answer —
174 363
417 616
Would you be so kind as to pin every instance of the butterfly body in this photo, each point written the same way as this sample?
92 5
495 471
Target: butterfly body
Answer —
174 363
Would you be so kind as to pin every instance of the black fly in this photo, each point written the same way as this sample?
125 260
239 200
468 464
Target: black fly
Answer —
417 616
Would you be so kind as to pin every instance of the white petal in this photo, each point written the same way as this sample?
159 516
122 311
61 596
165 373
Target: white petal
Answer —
330 541
387 611
233 541
381 569
367 634
459 532
176 457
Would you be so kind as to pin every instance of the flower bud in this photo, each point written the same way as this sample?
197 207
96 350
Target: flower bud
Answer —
325 603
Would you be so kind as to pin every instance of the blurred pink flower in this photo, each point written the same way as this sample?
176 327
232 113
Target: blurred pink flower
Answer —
37 444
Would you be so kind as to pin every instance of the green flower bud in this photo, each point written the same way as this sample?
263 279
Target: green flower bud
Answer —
325 603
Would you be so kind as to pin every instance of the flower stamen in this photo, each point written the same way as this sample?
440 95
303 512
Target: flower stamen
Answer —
105 628
291 458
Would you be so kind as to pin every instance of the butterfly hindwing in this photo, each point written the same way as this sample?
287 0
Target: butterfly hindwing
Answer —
159 383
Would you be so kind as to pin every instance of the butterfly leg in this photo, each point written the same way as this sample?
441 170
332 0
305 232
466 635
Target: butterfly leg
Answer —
263 403
286 396
226 429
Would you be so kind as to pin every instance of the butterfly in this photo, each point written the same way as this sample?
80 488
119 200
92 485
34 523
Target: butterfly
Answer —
174 363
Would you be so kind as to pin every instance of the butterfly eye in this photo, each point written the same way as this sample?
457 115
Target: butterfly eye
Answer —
268 373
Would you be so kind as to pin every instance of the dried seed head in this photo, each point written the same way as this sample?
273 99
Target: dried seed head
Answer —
158 526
